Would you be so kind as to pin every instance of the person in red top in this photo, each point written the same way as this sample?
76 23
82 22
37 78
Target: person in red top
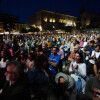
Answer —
72 55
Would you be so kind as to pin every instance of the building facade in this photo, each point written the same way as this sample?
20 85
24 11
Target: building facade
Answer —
89 19
45 20
7 20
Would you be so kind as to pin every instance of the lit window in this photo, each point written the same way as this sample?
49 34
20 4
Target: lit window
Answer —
61 20
64 21
51 20
54 20
45 19
74 24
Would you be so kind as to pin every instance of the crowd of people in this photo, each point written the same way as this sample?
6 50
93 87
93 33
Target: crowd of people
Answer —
50 66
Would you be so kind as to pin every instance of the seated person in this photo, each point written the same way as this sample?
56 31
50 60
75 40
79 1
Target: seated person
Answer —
16 86
72 55
92 90
65 87
77 70
54 60
39 78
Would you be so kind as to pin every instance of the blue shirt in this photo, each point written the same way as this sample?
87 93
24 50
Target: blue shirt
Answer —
55 59
90 49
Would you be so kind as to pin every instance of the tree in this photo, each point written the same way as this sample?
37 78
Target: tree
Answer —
78 25
23 30
8 26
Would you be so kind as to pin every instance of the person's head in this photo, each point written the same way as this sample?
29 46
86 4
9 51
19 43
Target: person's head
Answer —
61 80
43 38
2 54
63 42
79 57
96 41
55 50
97 48
44 46
31 56
76 48
98 74
85 39
53 39
5 46
74 42
38 48
91 43
15 70
6 55
14 41
41 62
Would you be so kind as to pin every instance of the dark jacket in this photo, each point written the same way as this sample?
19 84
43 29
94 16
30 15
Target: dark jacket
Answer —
39 82
92 88
18 91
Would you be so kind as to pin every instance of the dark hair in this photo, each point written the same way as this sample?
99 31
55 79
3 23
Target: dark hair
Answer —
32 55
19 66
40 60
92 42
97 46
81 57
24 54
56 48
59 78
39 47
7 55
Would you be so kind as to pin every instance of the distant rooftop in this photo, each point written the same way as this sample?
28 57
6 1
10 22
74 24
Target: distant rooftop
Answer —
56 13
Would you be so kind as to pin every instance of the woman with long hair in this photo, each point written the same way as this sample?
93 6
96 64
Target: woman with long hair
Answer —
78 69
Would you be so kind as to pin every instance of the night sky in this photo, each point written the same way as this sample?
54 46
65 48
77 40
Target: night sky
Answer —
25 8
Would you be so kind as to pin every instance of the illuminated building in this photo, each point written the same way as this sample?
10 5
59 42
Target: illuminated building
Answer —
43 19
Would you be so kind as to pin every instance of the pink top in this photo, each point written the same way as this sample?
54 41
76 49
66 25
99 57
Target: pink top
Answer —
11 52
81 43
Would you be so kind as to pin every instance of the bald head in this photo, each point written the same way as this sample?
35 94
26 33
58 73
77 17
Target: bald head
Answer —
76 48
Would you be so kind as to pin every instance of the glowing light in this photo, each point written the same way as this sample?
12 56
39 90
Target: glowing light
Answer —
61 20
45 19
74 24
54 20
40 27
87 22
51 20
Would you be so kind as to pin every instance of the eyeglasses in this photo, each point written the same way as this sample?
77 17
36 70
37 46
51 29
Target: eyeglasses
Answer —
8 72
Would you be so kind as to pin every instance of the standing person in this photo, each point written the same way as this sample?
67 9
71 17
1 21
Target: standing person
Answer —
16 86
54 60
